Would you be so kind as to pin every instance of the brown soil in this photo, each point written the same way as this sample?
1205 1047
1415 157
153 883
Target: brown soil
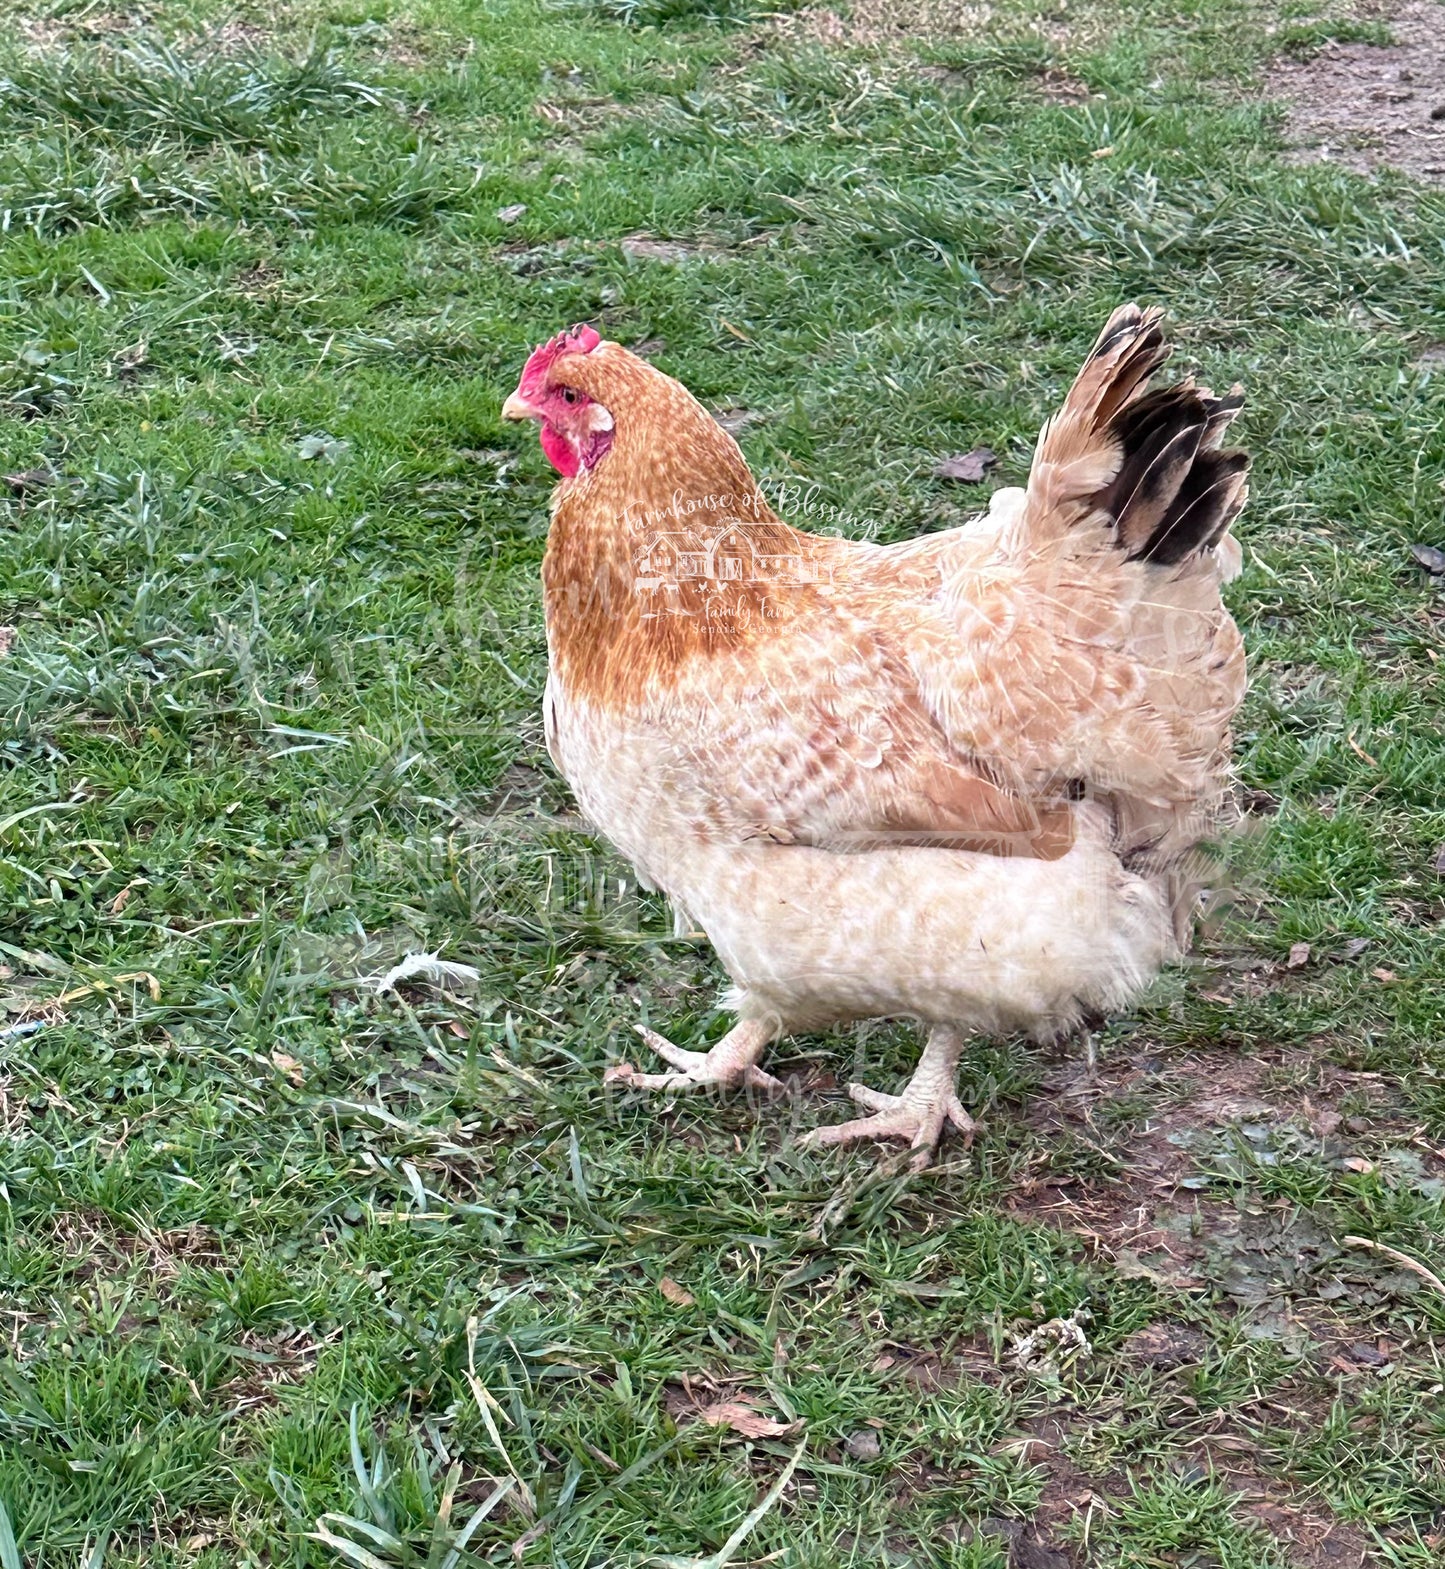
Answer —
881 21
647 247
1309 1536
44 32
1365 107
1168 1213
411 46
1059 87
1168 1120
733 419
255 280
1311 1541
235 37
1068 1494
93 1246
873 24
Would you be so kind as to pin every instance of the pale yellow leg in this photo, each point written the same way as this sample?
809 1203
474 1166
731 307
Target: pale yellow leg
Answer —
920 1113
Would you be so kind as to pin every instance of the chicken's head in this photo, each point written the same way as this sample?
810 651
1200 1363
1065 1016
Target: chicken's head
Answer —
577 430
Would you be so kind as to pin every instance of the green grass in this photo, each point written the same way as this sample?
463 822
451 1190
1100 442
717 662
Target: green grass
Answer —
282 1260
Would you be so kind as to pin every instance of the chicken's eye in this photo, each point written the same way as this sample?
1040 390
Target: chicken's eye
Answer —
569 394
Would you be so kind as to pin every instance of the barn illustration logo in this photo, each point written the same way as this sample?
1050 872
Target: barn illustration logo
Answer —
732 554
695 546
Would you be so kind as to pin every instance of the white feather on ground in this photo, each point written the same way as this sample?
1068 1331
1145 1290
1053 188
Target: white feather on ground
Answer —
425 967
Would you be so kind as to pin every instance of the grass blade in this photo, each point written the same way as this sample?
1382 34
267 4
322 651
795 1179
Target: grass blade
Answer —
368 1479
728 1550
9 1552
488 1504
348 1550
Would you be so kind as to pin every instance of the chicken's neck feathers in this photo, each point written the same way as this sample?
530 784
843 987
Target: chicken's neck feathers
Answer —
667 548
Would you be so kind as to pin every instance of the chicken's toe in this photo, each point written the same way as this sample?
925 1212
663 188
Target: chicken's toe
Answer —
874 1100
678 1056
731 1064
634 1079
897 1123
917 1119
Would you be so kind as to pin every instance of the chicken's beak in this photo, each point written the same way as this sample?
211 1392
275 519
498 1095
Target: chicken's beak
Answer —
517 407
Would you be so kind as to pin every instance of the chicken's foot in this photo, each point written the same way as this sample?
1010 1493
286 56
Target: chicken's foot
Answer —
731 1064
920 1113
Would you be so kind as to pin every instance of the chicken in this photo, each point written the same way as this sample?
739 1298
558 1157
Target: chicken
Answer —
967 779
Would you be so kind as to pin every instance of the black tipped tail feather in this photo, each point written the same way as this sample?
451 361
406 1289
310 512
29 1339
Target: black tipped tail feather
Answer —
1174 491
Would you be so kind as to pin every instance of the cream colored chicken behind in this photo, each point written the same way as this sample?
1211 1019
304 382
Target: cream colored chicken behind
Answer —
963 779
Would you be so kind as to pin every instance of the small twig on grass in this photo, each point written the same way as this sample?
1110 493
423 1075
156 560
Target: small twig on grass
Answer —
153 986
1402 1259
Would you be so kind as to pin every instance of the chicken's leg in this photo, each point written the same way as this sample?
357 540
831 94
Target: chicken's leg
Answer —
919 1113
731 1064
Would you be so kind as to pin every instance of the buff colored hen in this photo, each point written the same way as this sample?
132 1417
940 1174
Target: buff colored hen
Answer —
964 779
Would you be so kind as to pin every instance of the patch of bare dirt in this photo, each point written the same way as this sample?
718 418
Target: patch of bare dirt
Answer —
47 32
881 21
1365 107
1168 1209
94 1245
922 1366
735 420
1068 1494
39 32
267 1363
410 46
1311 1540
1021 1542
520 789
647 247
1166 1196
255 281
235 37
574 107
884 24
1309 1536
1165 1346
1060 87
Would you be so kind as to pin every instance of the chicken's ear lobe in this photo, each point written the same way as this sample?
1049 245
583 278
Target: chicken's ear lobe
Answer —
597 421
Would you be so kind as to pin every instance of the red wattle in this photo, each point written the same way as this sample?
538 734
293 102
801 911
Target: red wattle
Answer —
561 454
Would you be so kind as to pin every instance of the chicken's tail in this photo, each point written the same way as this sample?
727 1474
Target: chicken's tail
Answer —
1146 463
1119 548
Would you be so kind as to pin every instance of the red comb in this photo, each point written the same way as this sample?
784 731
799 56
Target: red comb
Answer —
580 339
